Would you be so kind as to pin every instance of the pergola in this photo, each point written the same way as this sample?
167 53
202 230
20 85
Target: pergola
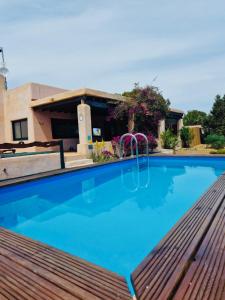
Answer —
90 108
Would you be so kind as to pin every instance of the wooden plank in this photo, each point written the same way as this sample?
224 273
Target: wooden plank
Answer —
23 279
29 245
205 279
160 272
50 257
29 145
32 270
5 294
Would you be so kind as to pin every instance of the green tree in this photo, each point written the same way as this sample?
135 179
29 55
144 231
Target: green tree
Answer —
144 107
216 120
195 117
216 141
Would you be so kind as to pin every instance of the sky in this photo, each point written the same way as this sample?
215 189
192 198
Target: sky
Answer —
176 45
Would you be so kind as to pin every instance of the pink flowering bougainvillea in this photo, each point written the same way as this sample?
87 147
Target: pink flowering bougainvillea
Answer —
152 143
144 107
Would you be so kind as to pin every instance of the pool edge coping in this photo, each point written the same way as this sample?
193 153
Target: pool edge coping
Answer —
28 178
33 177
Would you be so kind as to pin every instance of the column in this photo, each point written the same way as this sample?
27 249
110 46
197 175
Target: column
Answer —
85 129
179 124
179 127
131 123
161 129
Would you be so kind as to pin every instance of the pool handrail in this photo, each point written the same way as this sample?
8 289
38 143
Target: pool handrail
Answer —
121 143
146 140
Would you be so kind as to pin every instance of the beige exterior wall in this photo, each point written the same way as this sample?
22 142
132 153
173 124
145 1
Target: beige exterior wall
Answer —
39 91
27 165
24 103
15 104
43 130
2 118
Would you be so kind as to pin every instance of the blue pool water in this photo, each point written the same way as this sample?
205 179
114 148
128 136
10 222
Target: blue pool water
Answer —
111 215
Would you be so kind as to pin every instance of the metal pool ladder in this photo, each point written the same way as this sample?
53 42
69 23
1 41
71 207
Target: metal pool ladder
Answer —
133 138
146 141
137 182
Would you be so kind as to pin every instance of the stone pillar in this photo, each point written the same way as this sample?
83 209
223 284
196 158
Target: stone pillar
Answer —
161 129
2 96
131 123
85 129
180 125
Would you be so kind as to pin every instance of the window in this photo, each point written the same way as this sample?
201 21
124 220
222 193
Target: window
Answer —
64 129
20 131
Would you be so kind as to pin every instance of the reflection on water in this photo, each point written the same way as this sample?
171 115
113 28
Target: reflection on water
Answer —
112 215
134 180
139 178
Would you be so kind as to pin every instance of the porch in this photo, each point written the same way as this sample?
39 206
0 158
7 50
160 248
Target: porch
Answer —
78 120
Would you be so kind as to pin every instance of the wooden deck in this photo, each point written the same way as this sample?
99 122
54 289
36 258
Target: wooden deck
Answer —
31 270
189 263
205 278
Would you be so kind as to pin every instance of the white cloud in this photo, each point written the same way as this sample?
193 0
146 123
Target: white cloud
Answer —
109 45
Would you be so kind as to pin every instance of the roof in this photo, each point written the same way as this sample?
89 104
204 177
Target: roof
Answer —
76 93
59 97
175 110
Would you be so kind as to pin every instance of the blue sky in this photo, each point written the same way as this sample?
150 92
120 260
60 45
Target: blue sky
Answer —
109 45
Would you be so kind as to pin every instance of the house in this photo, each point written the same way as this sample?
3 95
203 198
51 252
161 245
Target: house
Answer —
37 112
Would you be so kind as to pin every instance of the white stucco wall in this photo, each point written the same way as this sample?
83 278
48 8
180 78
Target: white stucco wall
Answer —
13 167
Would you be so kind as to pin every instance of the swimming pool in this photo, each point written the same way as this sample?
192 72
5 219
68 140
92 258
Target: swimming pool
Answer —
112 215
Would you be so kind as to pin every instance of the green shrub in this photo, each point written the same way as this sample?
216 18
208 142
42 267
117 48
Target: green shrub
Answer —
186 137
215 141
169 140
220 151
